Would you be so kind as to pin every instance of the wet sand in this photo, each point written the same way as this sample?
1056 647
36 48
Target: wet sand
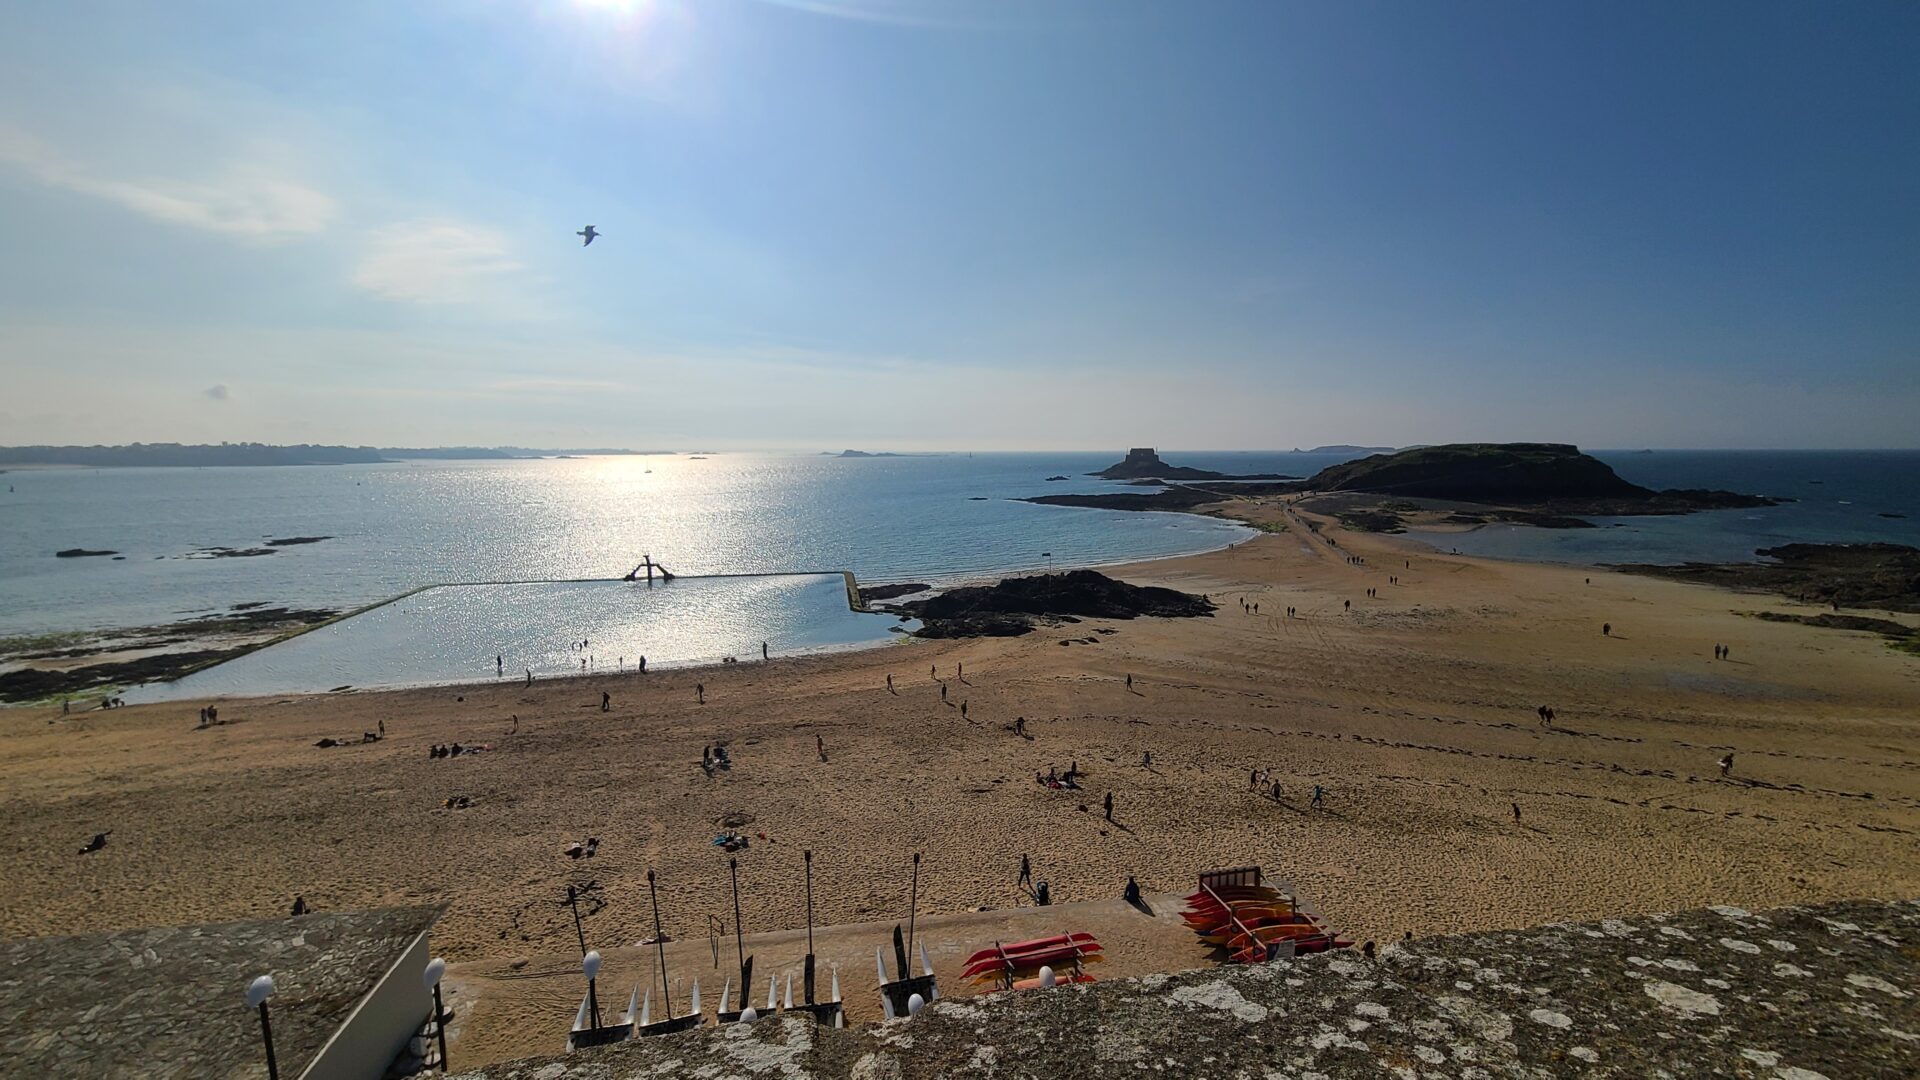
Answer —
1415 711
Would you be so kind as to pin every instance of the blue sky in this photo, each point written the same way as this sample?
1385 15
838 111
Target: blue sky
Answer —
900 224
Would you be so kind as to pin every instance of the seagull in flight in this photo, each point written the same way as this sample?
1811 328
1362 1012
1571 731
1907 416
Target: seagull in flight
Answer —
589 232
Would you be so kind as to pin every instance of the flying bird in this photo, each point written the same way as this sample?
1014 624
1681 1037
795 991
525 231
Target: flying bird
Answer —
589 232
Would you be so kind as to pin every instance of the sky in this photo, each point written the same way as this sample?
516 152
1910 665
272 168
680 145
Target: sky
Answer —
935 224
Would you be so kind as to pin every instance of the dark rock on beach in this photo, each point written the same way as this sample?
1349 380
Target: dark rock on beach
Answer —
80 553
1885 576
292 541
870 593
1011 607
28 684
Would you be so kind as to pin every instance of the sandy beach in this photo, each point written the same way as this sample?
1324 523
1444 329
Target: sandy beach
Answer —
1415 710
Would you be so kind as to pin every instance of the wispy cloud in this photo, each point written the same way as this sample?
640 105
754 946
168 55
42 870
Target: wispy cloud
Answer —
436 261
249 200
216 392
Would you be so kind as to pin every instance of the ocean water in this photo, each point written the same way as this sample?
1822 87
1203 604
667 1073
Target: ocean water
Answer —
459 633
1839 497
397 527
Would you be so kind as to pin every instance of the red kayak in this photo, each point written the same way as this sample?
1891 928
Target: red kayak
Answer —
1033 961
1018 947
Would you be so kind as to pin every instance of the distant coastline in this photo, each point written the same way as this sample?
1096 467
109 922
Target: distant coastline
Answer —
175 455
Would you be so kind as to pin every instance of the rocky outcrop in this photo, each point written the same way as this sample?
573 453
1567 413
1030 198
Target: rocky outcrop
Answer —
1885 576
81 553
1810 993
1555 476
1143 463
1012 607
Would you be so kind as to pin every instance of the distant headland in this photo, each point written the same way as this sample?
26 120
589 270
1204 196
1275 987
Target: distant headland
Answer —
1142 463
242 454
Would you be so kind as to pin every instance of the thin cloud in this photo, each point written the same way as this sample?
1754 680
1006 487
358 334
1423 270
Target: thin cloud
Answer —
247 200
216 392
436 261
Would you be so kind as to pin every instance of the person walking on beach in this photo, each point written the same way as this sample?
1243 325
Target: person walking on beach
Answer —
1726 765
820 746
933 673
700 693
1026 871
643 665
959 671
943 692
1347 605
529 676
606 701
1516 813
1319 794
1146 759
1606 629
889 682
383 729
500 664
1276 791
963 710
1020 726
1129 680
1109 804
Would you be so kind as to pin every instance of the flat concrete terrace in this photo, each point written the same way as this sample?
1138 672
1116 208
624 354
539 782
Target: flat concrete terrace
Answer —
167 1001
508 1009
1799 993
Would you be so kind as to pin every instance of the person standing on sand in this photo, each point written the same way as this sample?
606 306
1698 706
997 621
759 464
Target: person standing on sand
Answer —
1020 726
500 664
1516 813
643 665
1726 765
529 676
933 673
889 682
763 651
959 670
1109 803
383 729
1606 629
700 693
1276 791
943 692
1026 871
820 746
606 701
1319 794
963 710
1146 759
1129 680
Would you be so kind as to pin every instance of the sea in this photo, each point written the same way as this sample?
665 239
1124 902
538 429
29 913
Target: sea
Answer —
536 547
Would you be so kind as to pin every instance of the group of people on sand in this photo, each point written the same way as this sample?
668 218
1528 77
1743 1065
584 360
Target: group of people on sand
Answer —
1545 712
1721 652
1249 608
1262 780
1057 780
713 758
442 750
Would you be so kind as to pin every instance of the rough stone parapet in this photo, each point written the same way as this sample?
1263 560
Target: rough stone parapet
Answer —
1796 993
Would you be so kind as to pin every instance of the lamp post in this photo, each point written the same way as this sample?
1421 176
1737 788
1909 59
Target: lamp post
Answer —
258 992
590 965
436 969
1049 557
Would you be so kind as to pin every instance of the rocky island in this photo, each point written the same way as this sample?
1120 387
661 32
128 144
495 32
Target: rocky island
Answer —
1015 605
1142 462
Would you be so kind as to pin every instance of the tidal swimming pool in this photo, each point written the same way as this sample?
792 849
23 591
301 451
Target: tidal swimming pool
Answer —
455 634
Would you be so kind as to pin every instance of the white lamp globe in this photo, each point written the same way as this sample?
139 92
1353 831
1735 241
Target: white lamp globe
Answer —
915 1004
748 1015
590 964
1047 977
259 990
436 970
